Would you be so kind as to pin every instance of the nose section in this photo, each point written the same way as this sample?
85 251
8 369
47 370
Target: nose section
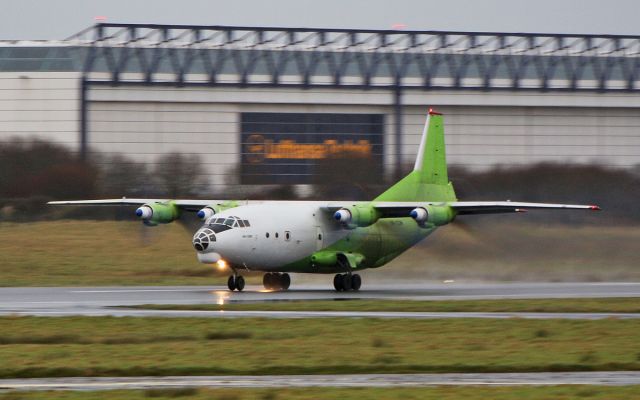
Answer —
203 239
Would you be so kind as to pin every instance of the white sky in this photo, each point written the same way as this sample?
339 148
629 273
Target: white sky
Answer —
58 19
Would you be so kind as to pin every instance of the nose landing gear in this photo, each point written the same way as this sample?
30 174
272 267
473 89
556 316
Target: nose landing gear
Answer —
346 282
236 282
276 281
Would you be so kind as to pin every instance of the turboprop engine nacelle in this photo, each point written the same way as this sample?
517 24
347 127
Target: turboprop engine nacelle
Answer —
359 215
212 209
206 213
434 215
158 213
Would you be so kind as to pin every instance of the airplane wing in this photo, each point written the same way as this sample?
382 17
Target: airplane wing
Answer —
388 209
402 209
496 207
188 205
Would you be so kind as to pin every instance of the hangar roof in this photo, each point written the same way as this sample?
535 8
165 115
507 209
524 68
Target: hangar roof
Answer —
214 55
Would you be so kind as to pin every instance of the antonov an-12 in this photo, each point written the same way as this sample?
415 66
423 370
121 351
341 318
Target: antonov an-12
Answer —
322 237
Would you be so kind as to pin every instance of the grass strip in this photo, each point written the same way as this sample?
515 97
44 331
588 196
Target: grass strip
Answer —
81 253
441 393
108 346
583 305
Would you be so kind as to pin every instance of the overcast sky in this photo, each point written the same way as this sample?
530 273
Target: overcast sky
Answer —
58 19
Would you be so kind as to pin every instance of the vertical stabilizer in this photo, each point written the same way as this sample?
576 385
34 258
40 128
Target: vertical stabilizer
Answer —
429 180
431 161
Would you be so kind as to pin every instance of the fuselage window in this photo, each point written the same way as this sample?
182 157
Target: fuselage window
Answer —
319 236
267 235
276 235
287 235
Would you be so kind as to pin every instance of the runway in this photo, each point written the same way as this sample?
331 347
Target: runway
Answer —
102 301
94 301
364 380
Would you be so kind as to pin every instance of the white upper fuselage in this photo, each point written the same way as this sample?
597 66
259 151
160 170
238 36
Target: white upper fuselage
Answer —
278 234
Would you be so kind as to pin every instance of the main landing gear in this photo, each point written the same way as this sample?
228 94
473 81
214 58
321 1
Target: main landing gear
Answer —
276 281
236 282
346 282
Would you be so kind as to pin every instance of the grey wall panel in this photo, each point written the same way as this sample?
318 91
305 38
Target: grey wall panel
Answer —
483 128
485 136
38 104
144 131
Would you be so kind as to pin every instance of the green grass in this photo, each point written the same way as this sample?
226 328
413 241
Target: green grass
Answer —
440 393
586 305
75 253
508 248
107 346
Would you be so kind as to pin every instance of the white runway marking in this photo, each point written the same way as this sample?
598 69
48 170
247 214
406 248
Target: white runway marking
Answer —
618 378
130 290
61 301
124 312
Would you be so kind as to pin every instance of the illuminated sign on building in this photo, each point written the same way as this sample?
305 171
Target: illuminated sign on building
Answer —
280 148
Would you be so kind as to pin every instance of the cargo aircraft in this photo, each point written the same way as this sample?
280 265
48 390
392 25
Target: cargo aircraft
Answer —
323 237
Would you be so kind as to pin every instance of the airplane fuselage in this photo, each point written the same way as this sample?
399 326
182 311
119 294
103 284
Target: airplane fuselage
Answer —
283 237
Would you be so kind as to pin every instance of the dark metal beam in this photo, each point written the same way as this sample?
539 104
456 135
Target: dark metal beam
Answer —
84 104
318 86
397 112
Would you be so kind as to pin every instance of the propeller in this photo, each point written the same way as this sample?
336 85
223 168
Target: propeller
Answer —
465 227
126 216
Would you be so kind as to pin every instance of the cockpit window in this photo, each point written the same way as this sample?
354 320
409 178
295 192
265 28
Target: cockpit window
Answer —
223 224
217 228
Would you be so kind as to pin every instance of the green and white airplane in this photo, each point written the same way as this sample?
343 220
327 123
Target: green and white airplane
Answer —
341 237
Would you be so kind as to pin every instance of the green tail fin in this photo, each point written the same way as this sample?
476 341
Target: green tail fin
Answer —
429 180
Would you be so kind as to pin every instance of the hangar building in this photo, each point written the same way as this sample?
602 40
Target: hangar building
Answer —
270 101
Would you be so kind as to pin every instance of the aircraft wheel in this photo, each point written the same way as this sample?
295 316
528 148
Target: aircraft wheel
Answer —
356 282
239 283
231 283
285 281
337 283
267 281
277 281
346 282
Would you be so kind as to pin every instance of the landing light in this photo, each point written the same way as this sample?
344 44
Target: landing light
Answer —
222 264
